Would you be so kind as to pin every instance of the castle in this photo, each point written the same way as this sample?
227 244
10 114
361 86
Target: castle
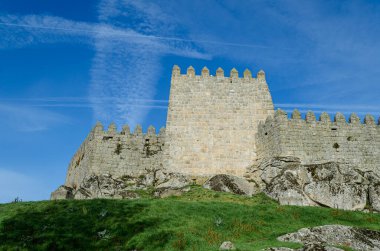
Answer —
222 125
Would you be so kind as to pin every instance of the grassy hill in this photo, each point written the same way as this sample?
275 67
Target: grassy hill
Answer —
198 220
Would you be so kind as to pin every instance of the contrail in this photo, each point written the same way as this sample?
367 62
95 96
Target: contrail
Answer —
81 99
97 32
331 106
162 103
44 27
84 102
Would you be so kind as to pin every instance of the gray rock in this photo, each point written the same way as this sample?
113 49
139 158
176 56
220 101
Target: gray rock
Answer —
167 192
169 180
104 186
338 195
278 249
373 190
318 247
335 235
327 184
227 245
307 247
231 184
284 178
275 167
330 187
107 186
62 193
374 197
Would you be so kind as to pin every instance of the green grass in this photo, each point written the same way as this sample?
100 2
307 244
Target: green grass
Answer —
198 220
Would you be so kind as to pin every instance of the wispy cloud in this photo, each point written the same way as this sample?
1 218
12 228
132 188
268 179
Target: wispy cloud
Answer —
139 79
29 119
308 47
126 65
20 31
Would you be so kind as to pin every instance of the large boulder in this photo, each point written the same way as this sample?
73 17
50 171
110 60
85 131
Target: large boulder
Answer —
335 235
328 184
331 187
171 184
306 247
169 180
231 184
62 193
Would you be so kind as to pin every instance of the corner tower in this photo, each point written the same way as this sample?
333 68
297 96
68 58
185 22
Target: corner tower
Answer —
212 121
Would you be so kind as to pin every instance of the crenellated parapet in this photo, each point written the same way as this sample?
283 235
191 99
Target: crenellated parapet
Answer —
324 119
219 75
126 131
345 140
116 152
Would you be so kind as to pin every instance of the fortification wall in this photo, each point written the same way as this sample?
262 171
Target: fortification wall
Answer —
351 143
212 121
116 153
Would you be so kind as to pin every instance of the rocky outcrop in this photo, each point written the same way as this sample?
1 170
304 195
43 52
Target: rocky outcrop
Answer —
323 237
307 247
62 193
231 184
106 186
329 184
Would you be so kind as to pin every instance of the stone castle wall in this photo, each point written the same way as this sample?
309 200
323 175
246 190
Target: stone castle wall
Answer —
351 143
116 153
212 121
227 125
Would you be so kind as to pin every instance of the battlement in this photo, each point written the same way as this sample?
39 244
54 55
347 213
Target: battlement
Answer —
353 142
281 116
126 131
219 75
116 152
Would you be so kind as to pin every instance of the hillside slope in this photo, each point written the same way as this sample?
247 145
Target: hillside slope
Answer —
198 220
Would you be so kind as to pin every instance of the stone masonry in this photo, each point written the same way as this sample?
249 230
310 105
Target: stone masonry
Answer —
212 121
226 125
116 153
351 144
211 128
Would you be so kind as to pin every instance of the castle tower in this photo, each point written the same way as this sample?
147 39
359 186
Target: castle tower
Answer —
212 121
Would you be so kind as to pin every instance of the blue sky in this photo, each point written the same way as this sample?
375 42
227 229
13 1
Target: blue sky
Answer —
66 64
